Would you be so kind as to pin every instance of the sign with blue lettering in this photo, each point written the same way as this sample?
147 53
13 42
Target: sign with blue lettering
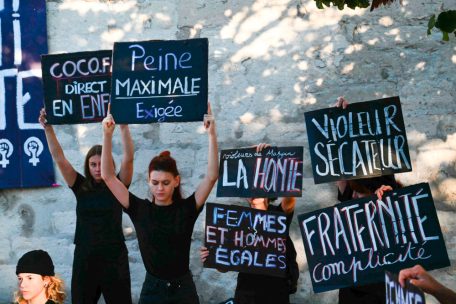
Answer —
159 81
365 140
273 172
354 242
77 86
246 239
24 156
396 294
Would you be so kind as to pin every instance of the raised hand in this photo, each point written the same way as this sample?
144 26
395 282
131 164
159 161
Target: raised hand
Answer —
42 118
380 191
341 102
108 122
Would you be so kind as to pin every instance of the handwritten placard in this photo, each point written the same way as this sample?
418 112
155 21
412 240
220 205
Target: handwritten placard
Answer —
273 172
160 81
367 139
77 86
245 239
396 294
352 243
25 160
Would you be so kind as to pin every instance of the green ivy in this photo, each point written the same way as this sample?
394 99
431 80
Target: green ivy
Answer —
341 3
445 22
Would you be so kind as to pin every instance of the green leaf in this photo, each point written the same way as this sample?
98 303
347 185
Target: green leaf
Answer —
431 24
446 21
319 4
445 36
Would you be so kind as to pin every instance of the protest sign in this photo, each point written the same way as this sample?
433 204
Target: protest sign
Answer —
353 242
77 86
367 139
273 172
25 160
160 81
396 294
229 301
245 239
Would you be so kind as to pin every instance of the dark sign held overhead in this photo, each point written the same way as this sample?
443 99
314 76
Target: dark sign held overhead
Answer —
77 86
160 81
25 160
353 242
396 294
245 239
273 172
367 139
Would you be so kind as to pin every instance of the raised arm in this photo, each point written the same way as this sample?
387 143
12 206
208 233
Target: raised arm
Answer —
67 170
126 167
288 204
208 182
108 174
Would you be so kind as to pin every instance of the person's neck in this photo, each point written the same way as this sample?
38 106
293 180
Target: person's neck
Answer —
39 299
163 203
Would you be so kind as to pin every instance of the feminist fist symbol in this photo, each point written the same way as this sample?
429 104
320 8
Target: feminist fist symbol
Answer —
33 148
6 149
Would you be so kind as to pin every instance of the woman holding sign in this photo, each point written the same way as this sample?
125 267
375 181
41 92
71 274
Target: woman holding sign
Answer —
348 190
259 288
164 225
100 264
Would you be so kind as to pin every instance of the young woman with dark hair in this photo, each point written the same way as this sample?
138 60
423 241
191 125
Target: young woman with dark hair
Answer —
100 264
164 225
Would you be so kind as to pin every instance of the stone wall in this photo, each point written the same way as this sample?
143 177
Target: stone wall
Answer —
269 62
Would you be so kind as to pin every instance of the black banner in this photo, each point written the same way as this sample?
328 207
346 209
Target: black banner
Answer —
245 239
367 139
396 294
160 81
352 243
273 172
77 86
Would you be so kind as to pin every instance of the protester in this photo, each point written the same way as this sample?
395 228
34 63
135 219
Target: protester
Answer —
259 288
419 277
100 264
37 281
164 225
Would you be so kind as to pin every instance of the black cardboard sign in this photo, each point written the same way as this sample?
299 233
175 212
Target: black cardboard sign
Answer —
273 172
365 140
396 294
160 81
77 86
245 239
352 243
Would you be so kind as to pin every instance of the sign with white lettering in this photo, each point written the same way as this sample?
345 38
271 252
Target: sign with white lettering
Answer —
396 294
367 139
273 172
25 160
246 239
77 86
160 81
352 243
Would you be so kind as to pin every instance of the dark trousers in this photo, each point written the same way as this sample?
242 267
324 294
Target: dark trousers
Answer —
371 294
101 270
181 290
262 290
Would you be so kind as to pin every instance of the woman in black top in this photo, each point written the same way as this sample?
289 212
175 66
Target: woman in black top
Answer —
164 225
100 264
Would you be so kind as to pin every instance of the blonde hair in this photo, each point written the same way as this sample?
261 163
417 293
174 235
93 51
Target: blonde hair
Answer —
55 291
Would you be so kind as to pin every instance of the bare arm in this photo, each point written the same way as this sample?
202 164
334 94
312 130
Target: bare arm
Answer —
208 182
126 167
67 170
107 165
288 204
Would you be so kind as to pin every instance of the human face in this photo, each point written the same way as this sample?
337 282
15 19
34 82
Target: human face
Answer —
260 203
32 287
95 167
162 185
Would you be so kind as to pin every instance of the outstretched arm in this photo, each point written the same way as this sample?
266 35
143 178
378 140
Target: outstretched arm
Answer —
107 164
126 167
208 182
419 277
67 170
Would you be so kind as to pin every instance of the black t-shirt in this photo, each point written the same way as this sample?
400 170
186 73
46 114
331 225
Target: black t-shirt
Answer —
252 281
98 215
164 234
